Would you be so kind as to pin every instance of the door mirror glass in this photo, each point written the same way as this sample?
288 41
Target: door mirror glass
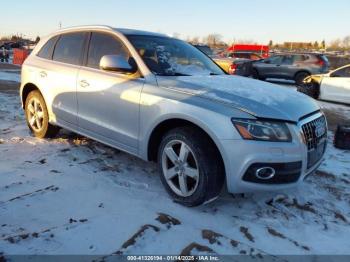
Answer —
118 63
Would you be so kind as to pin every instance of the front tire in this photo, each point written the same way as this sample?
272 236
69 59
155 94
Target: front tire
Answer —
190 166
37 116
311 89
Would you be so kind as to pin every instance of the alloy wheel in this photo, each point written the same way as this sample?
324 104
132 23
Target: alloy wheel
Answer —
35 114
180 168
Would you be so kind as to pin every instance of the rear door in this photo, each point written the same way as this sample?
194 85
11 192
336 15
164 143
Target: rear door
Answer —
336 86
60 77
108 101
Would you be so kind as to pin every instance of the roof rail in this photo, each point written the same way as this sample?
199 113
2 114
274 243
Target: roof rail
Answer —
86 27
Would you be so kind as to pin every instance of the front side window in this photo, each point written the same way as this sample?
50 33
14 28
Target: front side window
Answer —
69 48
275 59
46 50
103 44
170 57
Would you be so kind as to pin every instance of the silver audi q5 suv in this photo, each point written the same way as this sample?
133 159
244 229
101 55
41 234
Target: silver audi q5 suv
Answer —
163 100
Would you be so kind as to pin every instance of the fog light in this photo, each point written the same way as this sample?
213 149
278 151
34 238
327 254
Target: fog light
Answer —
265 173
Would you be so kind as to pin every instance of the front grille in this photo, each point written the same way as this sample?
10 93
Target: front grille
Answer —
315 134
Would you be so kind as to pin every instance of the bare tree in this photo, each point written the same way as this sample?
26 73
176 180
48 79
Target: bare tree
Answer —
346 42
335 44
213 40
193 40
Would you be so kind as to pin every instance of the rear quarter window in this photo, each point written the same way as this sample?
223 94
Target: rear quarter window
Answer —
46 51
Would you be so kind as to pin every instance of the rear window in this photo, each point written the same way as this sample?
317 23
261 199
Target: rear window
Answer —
324 58
46 50
69 48
242 55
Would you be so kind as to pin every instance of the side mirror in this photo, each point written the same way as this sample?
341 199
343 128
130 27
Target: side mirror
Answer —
118 63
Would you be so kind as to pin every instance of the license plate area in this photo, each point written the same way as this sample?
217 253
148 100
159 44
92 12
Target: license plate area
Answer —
314 155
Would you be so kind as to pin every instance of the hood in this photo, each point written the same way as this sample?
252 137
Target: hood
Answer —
258 98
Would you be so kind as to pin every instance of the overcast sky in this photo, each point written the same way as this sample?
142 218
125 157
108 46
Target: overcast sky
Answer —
259 20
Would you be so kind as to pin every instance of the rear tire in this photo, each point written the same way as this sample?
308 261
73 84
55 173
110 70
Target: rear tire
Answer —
299 78
37 116
186 156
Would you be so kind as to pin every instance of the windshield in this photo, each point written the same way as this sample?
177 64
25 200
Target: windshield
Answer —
172 57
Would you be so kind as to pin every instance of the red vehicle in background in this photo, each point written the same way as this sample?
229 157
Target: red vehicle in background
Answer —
237 59
261 50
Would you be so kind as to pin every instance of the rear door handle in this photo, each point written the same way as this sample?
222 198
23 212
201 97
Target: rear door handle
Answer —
84 83
43 74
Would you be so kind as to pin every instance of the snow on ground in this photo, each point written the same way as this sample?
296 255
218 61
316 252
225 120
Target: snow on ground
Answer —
71 195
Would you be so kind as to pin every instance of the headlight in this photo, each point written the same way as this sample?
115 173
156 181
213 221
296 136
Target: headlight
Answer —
262 130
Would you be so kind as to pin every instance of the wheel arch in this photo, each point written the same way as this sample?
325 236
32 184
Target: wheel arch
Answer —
301 71
27 88
166 125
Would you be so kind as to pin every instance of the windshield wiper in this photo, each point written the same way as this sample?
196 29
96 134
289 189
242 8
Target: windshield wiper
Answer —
174 74
180 74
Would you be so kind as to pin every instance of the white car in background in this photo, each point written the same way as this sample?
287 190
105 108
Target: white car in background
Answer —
333 86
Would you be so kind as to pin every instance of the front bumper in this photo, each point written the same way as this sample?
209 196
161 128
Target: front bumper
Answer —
240 156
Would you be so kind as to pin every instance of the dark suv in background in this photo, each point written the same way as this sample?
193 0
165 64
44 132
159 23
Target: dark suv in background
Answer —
290 66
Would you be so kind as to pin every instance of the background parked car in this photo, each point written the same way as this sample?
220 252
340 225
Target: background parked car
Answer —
233 66
334 86
290 66
230 64
246 55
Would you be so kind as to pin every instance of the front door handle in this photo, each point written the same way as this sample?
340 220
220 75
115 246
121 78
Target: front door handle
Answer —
43 74
84 83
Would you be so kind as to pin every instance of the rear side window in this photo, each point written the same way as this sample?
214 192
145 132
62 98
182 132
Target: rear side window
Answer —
103 44
46 50
69 48
300 58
